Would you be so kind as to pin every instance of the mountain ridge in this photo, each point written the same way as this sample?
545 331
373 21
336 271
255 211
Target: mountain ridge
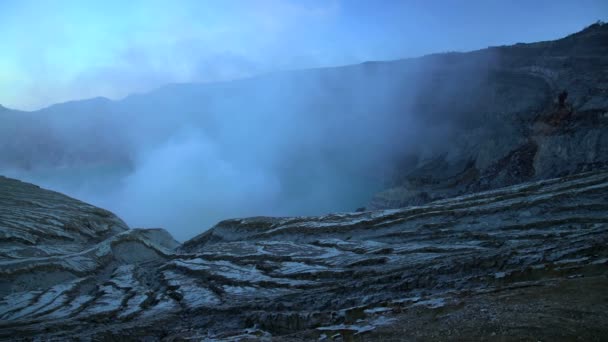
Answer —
592 28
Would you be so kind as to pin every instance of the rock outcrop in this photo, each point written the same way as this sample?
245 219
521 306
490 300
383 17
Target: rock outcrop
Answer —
541 111
527 261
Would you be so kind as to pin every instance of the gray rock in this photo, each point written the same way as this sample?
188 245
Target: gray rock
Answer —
463 258
524 134
349 274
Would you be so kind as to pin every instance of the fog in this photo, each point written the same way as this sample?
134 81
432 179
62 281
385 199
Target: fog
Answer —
222 109
186 156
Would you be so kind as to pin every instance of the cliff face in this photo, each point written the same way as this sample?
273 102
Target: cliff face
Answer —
519 129
488 263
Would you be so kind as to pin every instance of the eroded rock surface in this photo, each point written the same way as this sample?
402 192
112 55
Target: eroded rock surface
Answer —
527 261
514 127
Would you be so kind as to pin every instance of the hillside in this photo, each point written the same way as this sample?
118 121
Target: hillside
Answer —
527 261
526 133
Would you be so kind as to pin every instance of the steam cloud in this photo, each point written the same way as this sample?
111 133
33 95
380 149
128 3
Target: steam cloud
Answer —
185 156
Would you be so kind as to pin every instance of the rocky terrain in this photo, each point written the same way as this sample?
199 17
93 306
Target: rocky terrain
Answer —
523 262
493 229
516 127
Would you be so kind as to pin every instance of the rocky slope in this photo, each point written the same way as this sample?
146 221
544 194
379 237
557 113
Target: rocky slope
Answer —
522 262
519 128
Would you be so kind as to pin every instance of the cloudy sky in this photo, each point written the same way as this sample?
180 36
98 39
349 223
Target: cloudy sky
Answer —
54 51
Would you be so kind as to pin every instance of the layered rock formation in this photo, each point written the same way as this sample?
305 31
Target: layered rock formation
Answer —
527 261
463 257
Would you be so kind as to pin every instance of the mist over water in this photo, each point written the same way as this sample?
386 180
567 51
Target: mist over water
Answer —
186 156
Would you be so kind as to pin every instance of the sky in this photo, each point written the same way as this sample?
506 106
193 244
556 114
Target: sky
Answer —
55 51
